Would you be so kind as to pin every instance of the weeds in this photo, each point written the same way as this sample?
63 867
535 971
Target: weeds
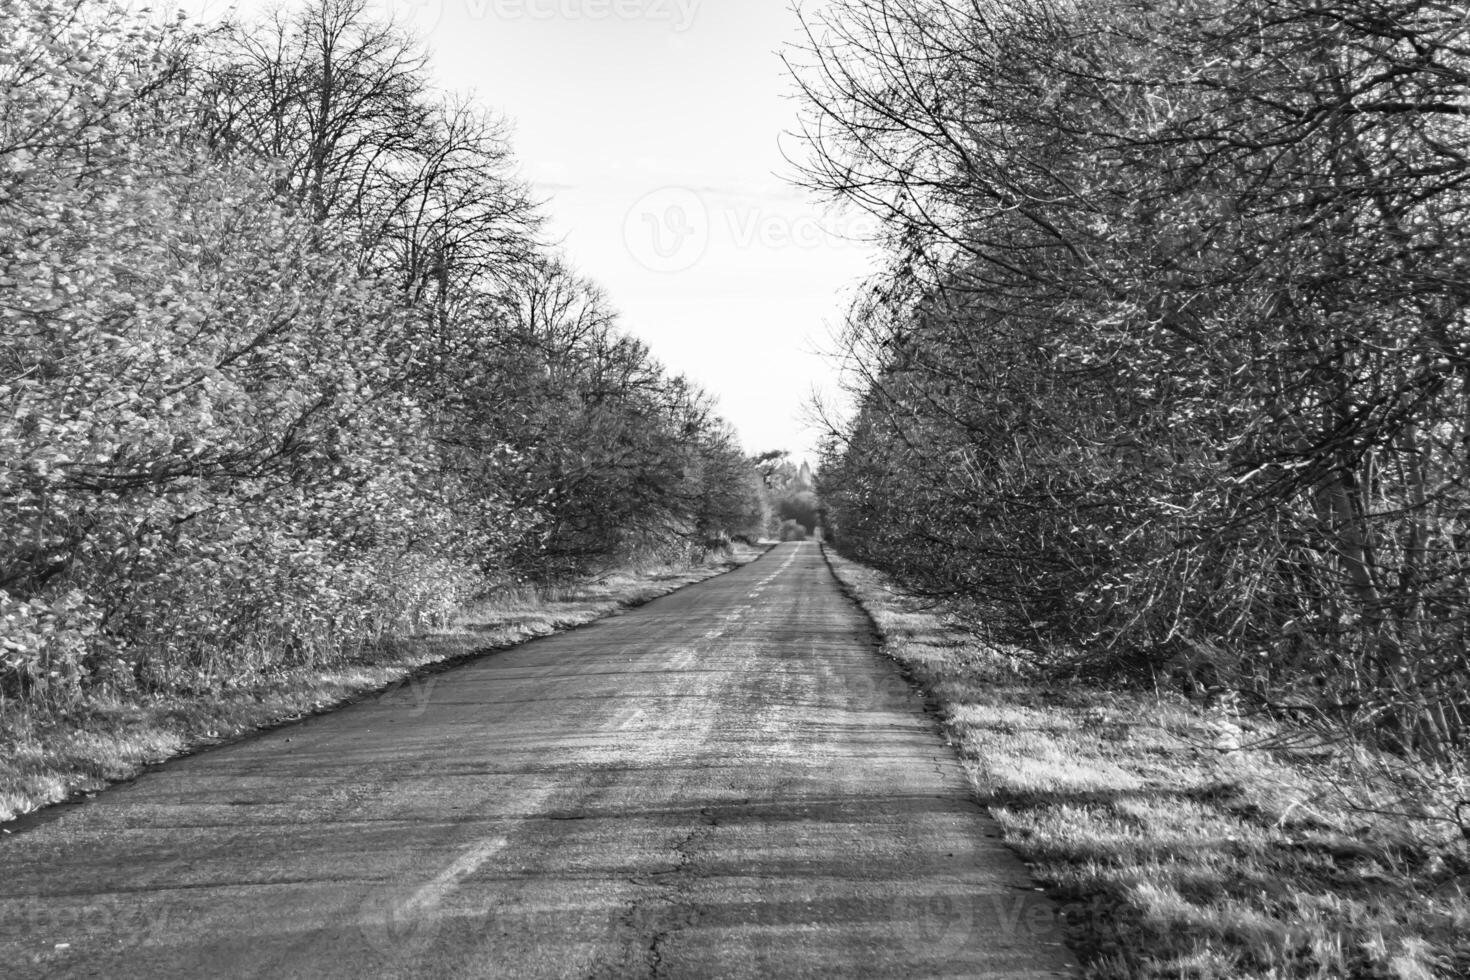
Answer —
1190 841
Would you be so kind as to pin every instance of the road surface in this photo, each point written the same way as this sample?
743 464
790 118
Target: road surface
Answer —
727 782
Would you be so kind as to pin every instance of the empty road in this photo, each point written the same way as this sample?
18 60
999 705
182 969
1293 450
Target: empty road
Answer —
728 782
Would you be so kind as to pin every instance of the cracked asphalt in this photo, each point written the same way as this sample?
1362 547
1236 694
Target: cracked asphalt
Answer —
727 782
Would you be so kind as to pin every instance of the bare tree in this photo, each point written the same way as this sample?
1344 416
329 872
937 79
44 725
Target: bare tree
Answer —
1170 358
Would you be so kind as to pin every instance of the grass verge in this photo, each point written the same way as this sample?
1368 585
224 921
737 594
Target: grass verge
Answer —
48 760
1182 842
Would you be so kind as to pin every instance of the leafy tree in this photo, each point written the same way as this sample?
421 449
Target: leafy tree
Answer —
283 370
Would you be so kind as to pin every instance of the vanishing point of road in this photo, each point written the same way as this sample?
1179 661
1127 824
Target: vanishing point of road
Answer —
727 782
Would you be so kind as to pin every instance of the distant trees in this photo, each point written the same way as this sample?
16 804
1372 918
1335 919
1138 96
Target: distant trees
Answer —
1168 368
283 368
793 510
614 456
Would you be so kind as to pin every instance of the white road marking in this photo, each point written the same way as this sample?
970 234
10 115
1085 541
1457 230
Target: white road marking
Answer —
784 565
472 860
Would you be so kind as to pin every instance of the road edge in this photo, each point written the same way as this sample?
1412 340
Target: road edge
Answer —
86 788
939 712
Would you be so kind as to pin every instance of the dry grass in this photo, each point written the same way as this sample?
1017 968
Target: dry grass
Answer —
1178 843
46 760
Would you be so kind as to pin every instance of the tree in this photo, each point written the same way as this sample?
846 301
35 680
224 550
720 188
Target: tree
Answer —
1167 367
283 370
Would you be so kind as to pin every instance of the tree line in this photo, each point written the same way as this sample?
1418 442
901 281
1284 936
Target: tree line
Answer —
1166 374
284 365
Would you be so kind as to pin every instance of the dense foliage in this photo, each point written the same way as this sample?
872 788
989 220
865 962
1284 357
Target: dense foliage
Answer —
793 512
283 368
1168 371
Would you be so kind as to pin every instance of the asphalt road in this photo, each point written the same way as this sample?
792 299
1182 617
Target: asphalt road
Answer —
727 782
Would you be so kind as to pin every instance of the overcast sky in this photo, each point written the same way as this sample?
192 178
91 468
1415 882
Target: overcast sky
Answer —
654 129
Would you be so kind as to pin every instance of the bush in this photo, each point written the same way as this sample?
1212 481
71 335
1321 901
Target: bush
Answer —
792 531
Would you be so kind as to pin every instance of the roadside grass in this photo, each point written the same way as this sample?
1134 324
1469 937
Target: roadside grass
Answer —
1182 842
45 760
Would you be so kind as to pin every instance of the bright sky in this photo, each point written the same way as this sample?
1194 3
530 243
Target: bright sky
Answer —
655 130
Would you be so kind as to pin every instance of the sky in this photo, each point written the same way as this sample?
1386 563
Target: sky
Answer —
654 130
